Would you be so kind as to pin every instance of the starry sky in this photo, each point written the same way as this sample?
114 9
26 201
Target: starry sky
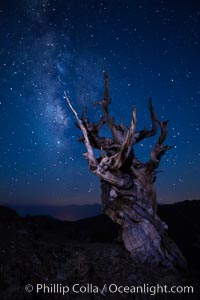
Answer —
150 49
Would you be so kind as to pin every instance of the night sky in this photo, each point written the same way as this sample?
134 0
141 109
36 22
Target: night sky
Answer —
150 49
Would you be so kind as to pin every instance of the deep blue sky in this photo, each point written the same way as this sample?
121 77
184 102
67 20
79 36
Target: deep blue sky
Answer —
150 48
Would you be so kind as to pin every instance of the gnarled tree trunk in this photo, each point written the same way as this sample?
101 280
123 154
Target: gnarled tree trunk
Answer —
143 232
128 185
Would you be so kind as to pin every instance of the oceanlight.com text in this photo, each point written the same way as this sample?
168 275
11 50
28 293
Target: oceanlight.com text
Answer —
112 288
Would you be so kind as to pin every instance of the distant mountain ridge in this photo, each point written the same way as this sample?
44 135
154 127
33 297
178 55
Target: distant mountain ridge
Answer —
75 212
182 219
68 212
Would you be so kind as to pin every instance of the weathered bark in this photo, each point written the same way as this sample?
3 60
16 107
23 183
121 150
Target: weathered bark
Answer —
144 234
128 185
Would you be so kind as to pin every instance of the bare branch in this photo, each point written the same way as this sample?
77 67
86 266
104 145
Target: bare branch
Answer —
106 89
159 149
119 158
117 131
89 155
97 142
145 133
153 130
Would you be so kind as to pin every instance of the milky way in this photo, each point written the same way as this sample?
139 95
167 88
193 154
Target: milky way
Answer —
48 47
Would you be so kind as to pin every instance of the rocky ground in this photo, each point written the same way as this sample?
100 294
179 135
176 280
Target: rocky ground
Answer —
44 250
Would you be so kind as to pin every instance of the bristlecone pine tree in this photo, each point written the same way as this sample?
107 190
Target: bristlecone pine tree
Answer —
128 185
